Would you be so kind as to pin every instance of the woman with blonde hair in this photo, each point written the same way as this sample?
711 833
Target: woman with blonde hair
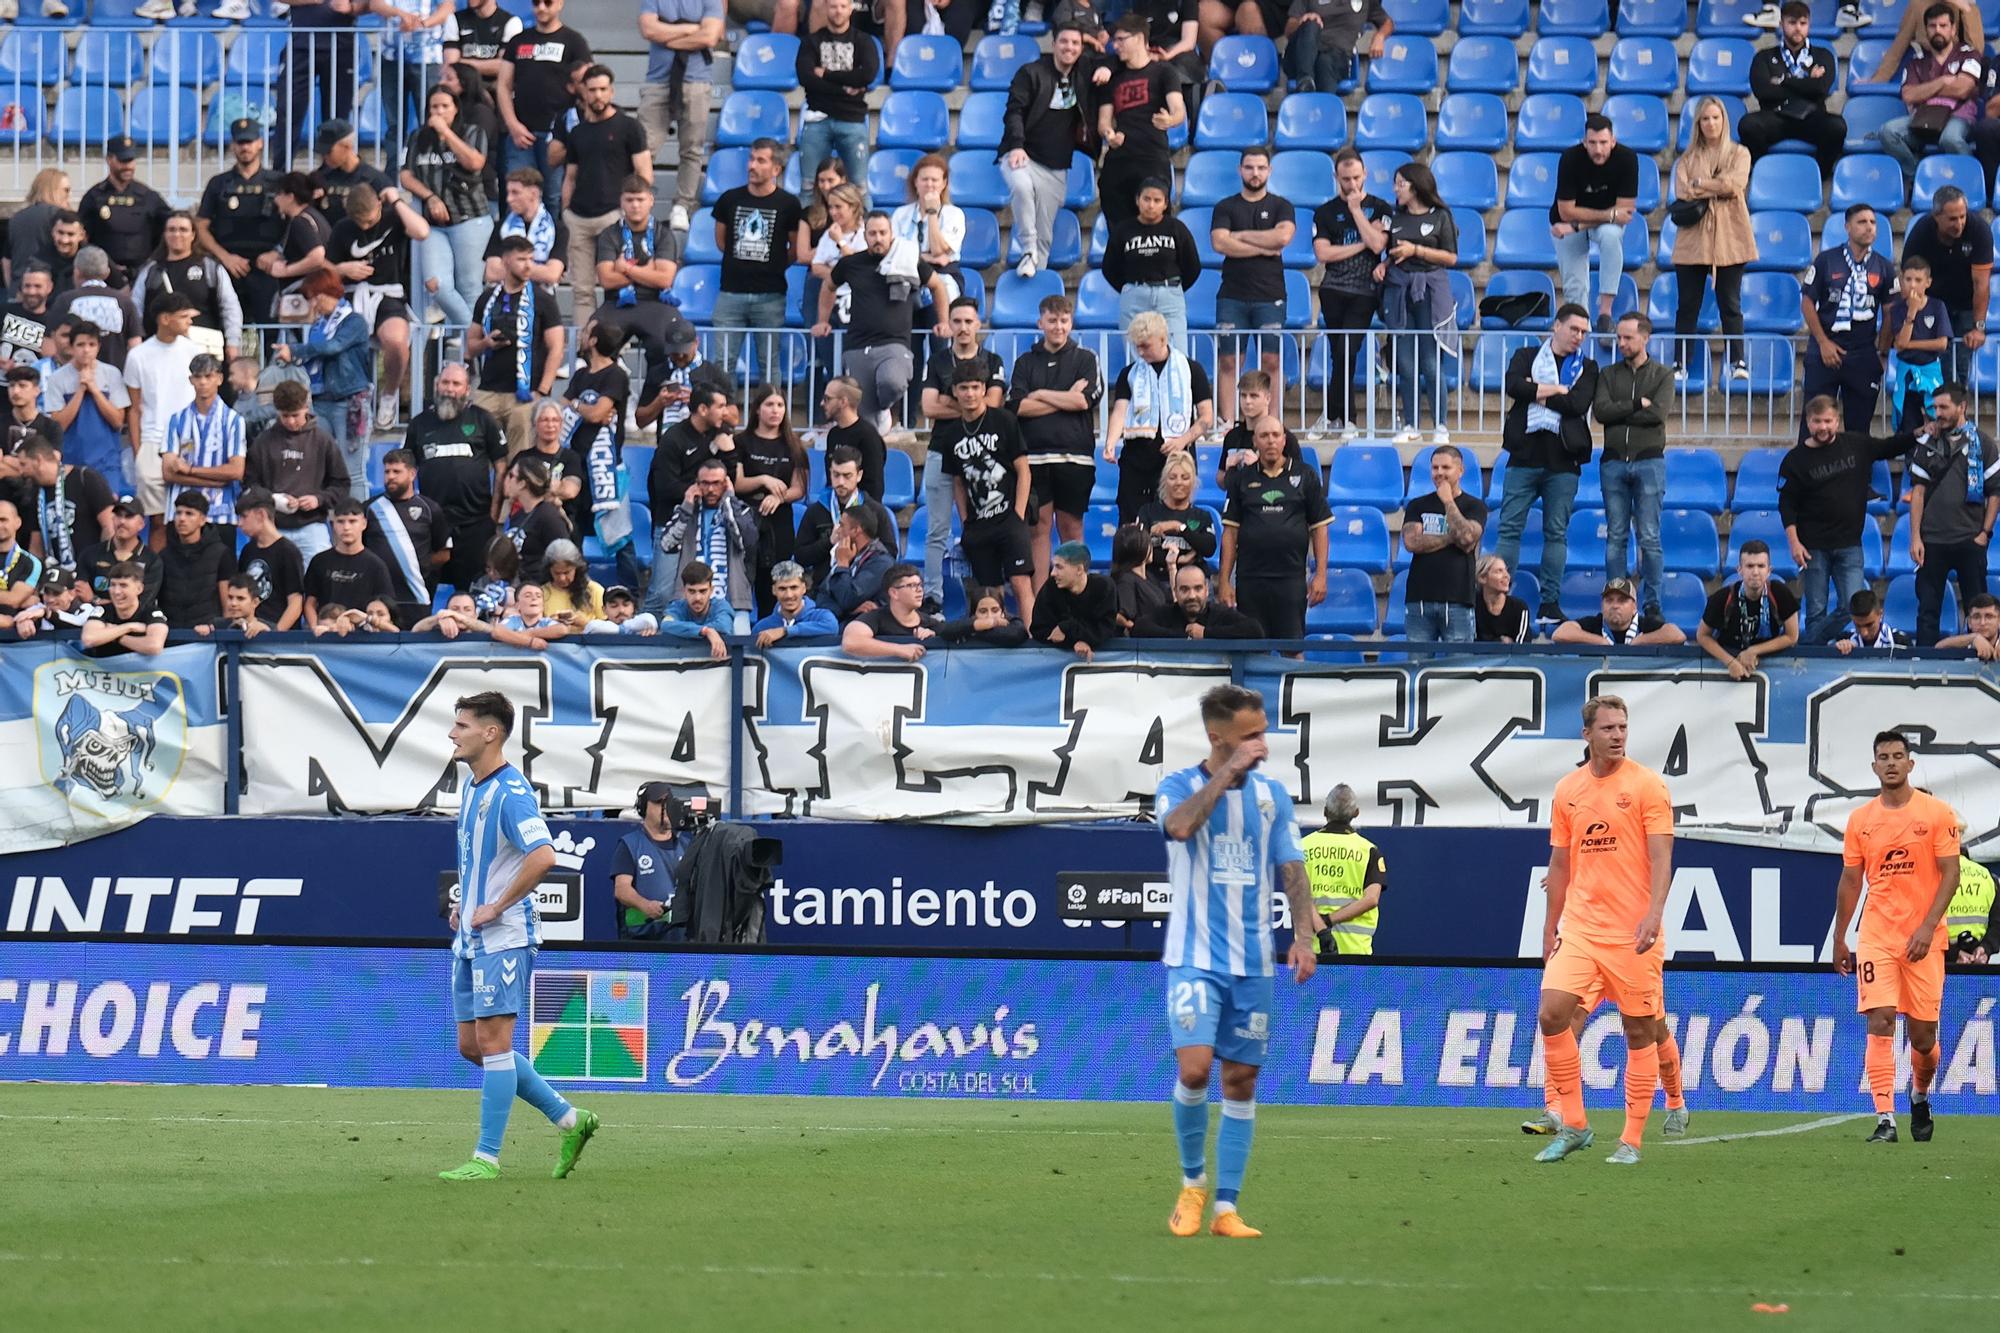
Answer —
1714 237
30 229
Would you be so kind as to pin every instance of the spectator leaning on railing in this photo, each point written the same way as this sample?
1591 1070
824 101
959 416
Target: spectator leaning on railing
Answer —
1750 619
1619 622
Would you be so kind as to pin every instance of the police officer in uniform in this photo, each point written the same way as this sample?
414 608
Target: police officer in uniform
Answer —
124 215
1347 874
643 866
238 220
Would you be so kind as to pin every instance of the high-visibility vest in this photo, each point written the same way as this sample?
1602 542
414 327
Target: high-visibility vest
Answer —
1339 868
1969 908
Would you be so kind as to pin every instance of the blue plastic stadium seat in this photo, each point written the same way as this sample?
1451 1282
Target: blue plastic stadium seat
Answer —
696 286
86 117
982 120
1388 120
1017 300
1497 18
1865 118
1720 65
186 58
1309 120
1868 53
1562 65
1732 108
1899 607
1065 243
1899 565
1349 607
1522 240
1652 18
1724 18
1784 241
977 180
1382 164
701 247
1407 65
763 60
1358 538
981 246
889 177
1757 480
1942 169
1305 178
1489 368
727 169
1469 180
1211 176
1100 525
1198 220
1588 535
113 59
1548 123
1581 18
1867 178
1664 300
1531 180
1425 18
1476 122
1483 65
1530 562
913 118
899 482
1232 120
1696 480
1688 539
932 64
1766 526
751 115
1520 282
164 117
32 58
1419 482
996 58
1782 181
1366 474
1640 122
1249 64
1471 237
1643 65
21 122
257 54
1771 303
1096 302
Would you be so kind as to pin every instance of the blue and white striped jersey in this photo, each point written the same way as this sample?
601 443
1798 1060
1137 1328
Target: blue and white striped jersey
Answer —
498 825
1223 877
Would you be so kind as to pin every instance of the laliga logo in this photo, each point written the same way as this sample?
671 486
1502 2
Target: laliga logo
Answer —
109 741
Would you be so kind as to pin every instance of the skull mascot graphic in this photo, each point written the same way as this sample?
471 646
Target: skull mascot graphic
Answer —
107 752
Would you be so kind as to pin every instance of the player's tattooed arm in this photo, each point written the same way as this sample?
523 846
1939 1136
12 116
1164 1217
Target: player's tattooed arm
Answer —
1298 892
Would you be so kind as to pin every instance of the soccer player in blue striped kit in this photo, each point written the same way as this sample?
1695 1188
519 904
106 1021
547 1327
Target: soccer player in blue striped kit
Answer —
1230 834
504 850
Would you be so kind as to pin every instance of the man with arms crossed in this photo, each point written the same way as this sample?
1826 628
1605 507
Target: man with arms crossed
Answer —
1904 843
1611 850
504 850
1230 832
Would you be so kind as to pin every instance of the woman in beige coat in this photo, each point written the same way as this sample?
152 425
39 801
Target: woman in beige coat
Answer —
1716 169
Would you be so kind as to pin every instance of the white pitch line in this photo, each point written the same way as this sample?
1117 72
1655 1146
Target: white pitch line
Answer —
1803 1127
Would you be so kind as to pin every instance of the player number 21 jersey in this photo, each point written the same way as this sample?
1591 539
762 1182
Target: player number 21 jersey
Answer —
1223 877
498 825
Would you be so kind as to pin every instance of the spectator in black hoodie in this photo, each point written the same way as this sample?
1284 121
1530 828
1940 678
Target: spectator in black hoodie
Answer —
1075 609
1792 81
195 565
1191 615
1823 499
298 462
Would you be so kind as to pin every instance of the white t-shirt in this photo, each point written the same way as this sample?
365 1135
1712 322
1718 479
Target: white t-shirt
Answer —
908 223
159 371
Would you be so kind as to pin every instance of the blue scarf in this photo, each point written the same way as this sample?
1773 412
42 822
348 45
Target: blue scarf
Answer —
1540 415
628 295
541 232
610 502
524 337
715 540
58 539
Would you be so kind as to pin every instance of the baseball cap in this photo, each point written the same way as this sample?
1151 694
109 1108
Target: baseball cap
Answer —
246 130
678 334
329 134
56 580
121 147
127 506
1620 588
656 790
254 497
192 500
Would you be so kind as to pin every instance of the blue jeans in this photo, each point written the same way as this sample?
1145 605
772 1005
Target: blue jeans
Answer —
1632 492
1413 358
454 255
337 415
1573 262
747 310
1906 146
664 585
1231 313
513 157
1437 622
819 139
1841 566
940 498
1168 300
1557 492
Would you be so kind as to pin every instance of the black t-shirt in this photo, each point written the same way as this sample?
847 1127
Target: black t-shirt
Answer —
542 61
1435 230
241 212
190 575
1588 185
336 183
21 334
1738 623
496 367
1446 575
146 614
1261 278
532 532
982 452
762 456
1951 261
1051 139
278 571
351 581
85 495
877 319
760 237
386 245
647 243
14 434
455 462
1196 541
600 153
481 38
1134 95
1641 624
885 625
1510 625
939 370
564 464
423 519
1274 517
611 382
1333 222
94 568
864 438
304 234
1166 18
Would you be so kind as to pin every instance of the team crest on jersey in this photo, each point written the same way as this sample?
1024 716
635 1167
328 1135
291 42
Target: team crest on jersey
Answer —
1921 830
1624 801
110 741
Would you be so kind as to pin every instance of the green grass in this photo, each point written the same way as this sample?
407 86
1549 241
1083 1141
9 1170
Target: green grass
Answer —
268 1208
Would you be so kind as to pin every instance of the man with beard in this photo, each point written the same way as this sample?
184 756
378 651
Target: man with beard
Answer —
1192 615
459 452
24 323
1941 93
407 532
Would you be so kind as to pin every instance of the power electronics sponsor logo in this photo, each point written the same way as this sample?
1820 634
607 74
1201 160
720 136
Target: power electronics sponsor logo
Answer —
209 1020
559 897
588 1024
141 904
110 741
926 1056
1094 895
1598 837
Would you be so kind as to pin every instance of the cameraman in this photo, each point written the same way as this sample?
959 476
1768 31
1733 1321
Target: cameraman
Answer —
643 866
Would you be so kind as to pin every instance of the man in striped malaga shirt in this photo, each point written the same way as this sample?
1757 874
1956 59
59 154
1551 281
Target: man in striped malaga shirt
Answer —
504 850
1230 834
205 444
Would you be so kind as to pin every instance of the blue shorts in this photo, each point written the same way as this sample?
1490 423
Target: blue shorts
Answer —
1232 1014
491 985
1231 313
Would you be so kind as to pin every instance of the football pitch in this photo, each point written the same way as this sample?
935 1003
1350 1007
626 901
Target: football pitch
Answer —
236 1208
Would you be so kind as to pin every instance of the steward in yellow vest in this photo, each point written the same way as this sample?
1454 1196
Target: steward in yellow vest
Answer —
1347 875
1965 917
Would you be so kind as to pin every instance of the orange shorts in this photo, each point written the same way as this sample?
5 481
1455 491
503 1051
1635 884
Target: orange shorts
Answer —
1592 971
1887 979
1590 999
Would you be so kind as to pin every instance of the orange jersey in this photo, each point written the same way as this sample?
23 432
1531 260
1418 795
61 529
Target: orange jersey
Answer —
1898 851
1604 823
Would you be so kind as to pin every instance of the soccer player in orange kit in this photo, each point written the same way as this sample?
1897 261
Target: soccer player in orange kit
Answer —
1611 847
1905 844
